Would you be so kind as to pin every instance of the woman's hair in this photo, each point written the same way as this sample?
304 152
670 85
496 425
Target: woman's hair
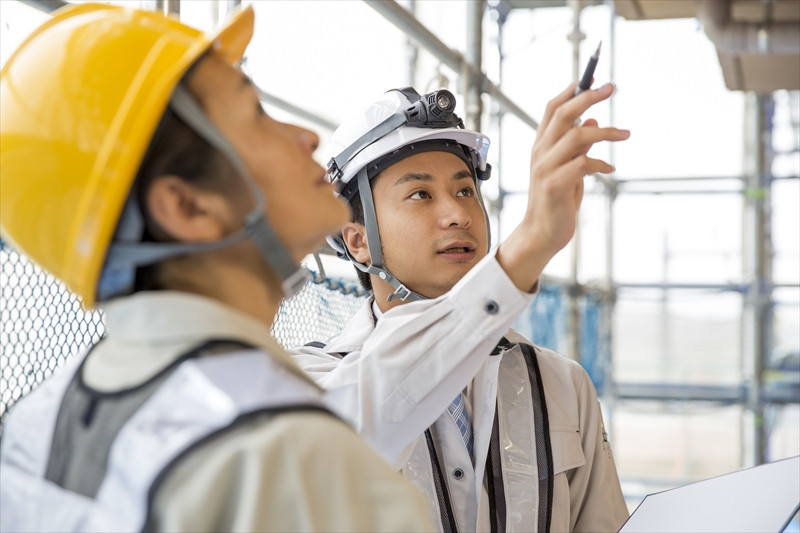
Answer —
176 150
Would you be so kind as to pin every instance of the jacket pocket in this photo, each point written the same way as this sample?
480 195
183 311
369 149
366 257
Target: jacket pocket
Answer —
565 442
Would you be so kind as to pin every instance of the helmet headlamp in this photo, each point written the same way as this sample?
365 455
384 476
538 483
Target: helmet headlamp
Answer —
433 110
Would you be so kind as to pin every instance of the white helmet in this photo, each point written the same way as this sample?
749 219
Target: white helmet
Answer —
397 126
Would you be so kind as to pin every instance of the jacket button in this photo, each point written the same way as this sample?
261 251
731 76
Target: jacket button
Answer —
491 307
458 473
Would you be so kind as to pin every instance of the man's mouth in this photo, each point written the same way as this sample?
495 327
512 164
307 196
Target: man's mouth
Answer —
457 247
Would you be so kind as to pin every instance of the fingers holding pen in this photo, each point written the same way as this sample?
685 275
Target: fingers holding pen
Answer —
588 123
571 172
585 165
556 103
563 111
588 135
581 102
577 142
570 111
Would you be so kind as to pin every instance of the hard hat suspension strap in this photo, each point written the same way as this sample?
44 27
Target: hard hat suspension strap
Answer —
256 226
376 266
129 255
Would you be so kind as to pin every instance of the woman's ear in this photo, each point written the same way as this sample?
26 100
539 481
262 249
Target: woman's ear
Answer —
355 238
185 212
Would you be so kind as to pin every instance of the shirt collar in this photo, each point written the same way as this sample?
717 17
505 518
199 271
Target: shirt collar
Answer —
164 317
145 332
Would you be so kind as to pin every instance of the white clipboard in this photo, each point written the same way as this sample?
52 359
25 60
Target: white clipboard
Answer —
762 499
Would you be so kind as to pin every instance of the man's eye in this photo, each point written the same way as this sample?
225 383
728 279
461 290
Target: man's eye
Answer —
420 195
467 191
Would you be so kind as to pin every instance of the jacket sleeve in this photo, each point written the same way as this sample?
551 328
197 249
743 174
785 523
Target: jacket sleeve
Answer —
398 379
294 472
596 500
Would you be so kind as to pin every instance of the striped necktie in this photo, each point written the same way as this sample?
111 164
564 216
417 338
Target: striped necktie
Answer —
458 410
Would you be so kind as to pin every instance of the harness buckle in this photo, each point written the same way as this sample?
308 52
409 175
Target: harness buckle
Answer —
333 170
400 293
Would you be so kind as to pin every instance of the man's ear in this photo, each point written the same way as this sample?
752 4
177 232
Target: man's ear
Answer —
355 238
185 212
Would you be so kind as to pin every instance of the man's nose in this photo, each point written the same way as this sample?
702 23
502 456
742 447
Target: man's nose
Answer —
453 213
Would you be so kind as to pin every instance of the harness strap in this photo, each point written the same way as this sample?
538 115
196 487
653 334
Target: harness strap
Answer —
494 469
89 421
445 506
494 477
543 444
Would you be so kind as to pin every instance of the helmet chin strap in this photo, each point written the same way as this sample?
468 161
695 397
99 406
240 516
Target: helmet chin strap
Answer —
129 255
401 292
256 226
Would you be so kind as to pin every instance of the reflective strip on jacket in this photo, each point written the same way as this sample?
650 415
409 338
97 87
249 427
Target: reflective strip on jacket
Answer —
198 399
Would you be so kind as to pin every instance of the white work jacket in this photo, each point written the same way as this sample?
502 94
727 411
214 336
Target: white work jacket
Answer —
181 407
398 374
229 441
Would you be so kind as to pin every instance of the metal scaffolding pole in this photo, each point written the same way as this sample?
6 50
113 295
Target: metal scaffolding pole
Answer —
408 24
757 265
169 7
47 6
296 110
609 392
574 316
471 79
496 207
412 52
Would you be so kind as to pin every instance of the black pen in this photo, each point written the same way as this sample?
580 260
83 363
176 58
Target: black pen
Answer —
586 79
588 74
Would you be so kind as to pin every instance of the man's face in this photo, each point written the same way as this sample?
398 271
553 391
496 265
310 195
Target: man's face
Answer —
300 204
431 221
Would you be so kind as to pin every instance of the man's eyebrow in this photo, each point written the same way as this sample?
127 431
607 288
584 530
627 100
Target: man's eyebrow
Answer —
461 174
413 176
424 176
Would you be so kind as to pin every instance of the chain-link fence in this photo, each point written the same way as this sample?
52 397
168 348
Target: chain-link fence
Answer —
43 324
317 312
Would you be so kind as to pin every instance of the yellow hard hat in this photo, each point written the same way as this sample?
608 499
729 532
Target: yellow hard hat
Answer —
80 100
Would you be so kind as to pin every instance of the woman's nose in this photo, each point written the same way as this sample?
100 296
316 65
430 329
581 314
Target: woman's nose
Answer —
308 140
